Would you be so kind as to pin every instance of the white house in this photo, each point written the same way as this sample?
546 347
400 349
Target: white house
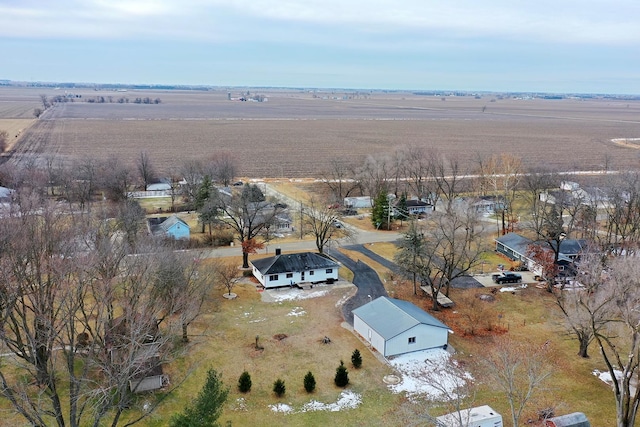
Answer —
394 327
294 269
357 202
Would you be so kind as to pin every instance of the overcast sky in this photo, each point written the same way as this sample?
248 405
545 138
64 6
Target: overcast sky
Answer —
584 46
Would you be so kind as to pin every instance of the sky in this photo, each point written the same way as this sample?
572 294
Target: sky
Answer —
565 46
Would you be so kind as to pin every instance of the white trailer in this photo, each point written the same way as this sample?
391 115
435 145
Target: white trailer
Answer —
482 416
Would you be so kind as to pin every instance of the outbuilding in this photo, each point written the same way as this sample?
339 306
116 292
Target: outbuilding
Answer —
577 419
172 227
394 327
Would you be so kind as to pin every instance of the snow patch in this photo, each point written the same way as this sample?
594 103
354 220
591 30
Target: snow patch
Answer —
421 371
346 400
513 288
258 320
281 407
294 294
297 311
342 300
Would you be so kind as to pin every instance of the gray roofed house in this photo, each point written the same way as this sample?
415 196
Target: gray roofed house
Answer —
396 327
294 269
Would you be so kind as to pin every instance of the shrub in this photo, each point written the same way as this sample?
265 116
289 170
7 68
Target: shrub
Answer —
309 382
342 375
244 382
279 387
356 359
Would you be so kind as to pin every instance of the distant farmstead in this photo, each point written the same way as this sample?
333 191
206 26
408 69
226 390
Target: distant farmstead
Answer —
295 269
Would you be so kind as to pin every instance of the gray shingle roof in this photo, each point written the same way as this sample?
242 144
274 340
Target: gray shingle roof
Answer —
516 242
390 317
286 263
161 225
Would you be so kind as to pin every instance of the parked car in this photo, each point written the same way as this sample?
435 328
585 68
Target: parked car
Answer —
506 277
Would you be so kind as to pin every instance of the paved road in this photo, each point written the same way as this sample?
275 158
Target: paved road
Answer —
366 280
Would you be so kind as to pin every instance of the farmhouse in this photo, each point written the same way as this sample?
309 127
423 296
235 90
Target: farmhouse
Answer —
295 269
171 226
394 327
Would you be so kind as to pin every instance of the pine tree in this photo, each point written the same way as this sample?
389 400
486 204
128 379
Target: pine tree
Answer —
309 382
207 407
244 382
356 359
279 388
342 375
380 211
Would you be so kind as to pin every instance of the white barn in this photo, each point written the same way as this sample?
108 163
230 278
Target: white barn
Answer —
396 327
294 269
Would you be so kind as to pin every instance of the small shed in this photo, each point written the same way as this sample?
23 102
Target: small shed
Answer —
394 327
171 226
577 419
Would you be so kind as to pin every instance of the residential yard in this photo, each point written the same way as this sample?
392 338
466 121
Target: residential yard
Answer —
530 315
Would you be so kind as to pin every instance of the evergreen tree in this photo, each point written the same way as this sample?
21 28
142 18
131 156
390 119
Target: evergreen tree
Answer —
244 382
402 209
207 407
342 375
380 211
203 193
356 359
279 388
309 382
252 193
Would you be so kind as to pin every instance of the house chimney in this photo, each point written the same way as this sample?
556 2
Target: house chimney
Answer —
278 251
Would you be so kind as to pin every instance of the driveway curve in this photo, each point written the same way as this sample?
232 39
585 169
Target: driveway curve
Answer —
366 280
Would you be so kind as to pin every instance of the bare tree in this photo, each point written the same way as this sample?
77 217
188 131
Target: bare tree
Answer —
115 178
446 174
246 216
192 174
583 319
501 175
622 215
417 168
224 168
374 175
145 168
323 221
341 179
62 283
4 140
611 308
518 370
227 274
446 248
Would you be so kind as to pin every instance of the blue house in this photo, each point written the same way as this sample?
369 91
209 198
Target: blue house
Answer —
172 227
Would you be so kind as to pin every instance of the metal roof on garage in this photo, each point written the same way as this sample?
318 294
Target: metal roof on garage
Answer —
390 317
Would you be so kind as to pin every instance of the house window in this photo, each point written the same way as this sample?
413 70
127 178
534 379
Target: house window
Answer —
273 277
311 273
329 270
412 340
289 275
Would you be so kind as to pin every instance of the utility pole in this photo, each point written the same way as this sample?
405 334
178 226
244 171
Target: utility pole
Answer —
301 219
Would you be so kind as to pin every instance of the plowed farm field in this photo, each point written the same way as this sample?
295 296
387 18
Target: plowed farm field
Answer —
299 133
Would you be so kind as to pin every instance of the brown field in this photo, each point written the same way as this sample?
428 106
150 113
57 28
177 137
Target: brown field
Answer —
297 135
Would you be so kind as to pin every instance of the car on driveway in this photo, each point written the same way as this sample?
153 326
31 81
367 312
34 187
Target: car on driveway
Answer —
506 277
